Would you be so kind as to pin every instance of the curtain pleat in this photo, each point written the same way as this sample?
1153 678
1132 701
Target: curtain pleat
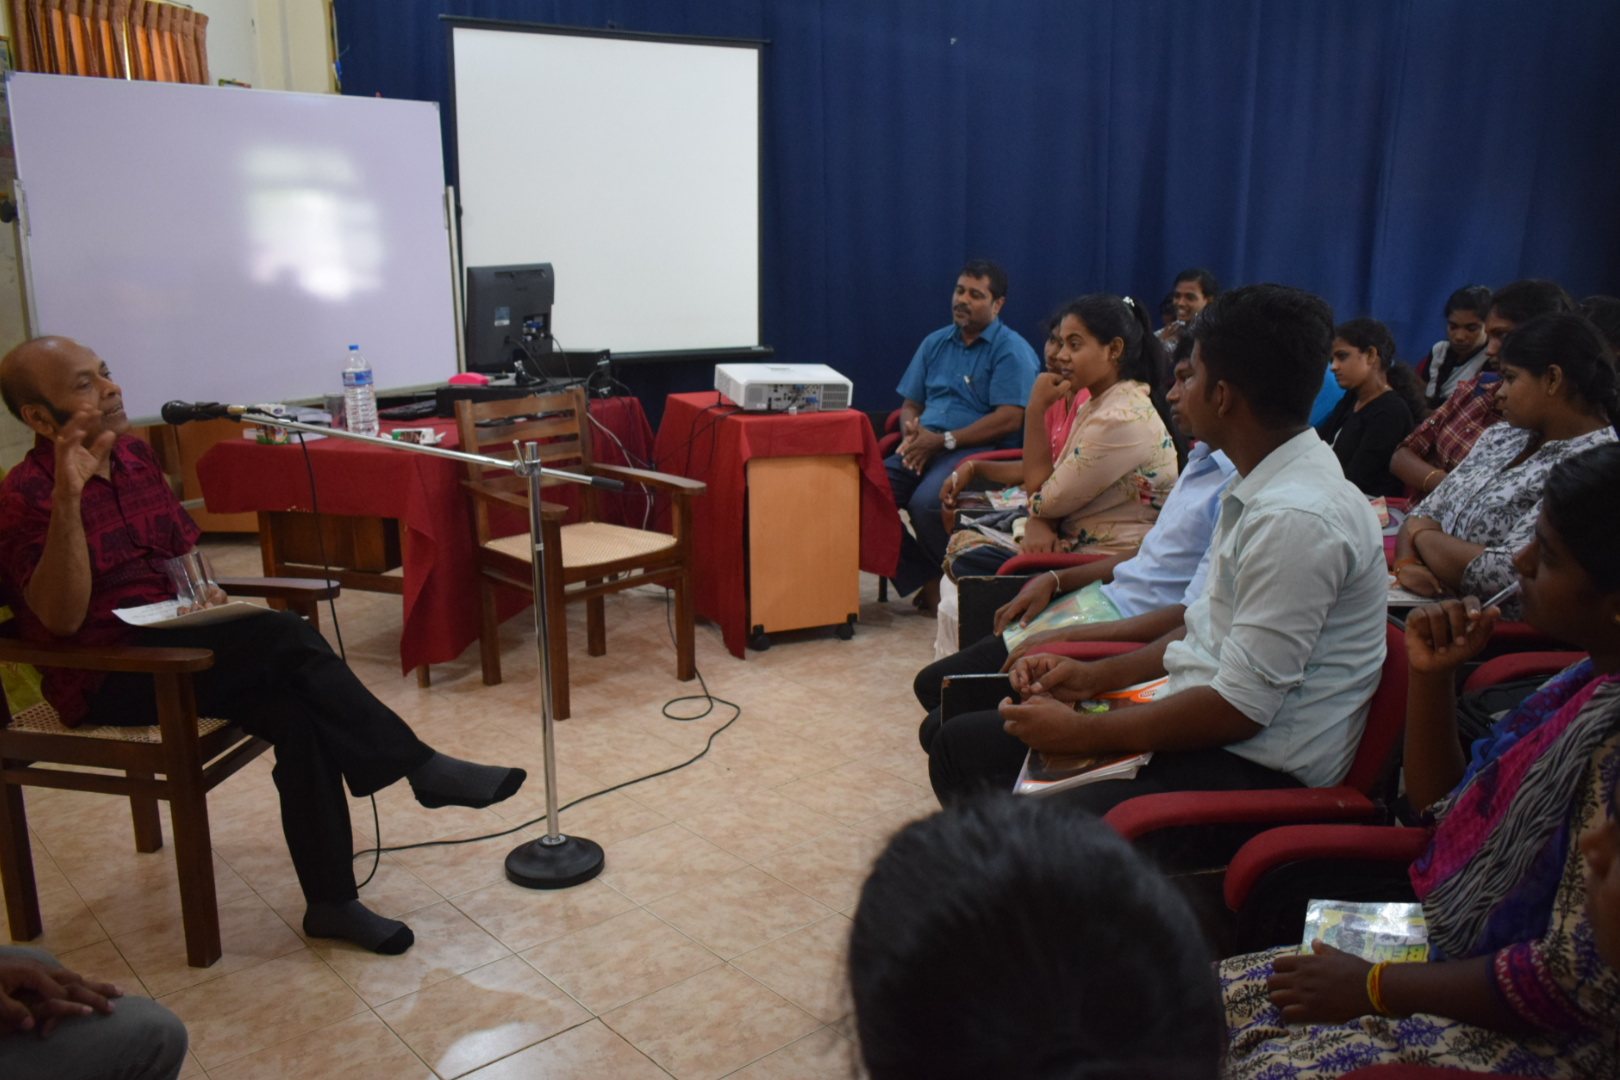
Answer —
138 39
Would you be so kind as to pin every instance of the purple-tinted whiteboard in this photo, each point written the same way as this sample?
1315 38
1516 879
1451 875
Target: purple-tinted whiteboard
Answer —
221 244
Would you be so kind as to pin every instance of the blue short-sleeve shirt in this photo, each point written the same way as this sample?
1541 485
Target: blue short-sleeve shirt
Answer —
958 384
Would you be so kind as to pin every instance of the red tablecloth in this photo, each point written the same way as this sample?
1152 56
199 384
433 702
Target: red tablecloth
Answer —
705 440
425 494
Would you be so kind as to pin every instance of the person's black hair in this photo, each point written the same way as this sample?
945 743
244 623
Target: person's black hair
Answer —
1272 344
1205 280
1364 334
1524 300
1604 311
1579 501
1167 307
1475 298
1572 344
1108 317
990 272
1006 938
1182 350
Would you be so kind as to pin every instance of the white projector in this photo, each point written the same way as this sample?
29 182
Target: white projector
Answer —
783 387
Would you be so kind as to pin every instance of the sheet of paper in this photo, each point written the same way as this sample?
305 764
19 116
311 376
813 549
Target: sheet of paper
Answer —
164 614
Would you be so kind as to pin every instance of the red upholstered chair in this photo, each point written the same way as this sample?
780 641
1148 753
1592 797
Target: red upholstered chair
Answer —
1043 561
1272 876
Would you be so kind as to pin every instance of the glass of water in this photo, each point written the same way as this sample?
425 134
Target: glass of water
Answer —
192 576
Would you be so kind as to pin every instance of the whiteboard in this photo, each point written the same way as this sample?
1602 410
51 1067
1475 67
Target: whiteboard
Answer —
222 244
632 166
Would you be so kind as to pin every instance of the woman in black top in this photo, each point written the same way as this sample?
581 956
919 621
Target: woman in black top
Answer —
1383 402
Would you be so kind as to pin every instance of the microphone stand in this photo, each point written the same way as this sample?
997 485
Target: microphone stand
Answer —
555 861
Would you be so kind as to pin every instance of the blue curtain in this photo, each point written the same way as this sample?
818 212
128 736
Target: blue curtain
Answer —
1380 153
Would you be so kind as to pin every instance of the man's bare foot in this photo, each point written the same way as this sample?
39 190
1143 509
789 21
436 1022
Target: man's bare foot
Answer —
928 599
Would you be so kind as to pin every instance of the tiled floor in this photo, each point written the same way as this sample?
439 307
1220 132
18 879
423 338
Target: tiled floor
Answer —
711 946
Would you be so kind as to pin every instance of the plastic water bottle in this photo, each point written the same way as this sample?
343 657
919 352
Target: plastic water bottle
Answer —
359 395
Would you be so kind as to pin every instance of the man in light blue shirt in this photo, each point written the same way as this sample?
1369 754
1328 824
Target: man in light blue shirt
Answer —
1272 672
965 391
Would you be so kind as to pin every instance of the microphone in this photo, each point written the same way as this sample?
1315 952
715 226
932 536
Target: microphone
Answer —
183 412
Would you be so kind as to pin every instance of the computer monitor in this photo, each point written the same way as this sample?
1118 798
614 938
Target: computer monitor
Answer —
509 317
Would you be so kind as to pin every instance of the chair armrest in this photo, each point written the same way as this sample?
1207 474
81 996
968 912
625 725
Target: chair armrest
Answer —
514 501
1144 814
136 658
680 485
1300 843
1043 561
281 588
1519 665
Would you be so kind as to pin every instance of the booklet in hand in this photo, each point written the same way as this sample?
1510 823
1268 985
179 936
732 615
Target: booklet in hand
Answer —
1045 774
1397 933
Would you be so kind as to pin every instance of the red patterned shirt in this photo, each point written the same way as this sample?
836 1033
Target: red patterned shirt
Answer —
132 523
1445 438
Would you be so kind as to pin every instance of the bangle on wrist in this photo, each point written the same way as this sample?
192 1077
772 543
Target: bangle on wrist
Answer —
1375 989
1057 582
1424 486
1400 564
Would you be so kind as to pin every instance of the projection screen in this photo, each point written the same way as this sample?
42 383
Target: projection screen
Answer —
629 164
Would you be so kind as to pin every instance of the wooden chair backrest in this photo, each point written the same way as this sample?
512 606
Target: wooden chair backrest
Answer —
559 422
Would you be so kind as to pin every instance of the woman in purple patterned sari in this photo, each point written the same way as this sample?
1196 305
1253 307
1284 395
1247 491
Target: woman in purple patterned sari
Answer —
1516 982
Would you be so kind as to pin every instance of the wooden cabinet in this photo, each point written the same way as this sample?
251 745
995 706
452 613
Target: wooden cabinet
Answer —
804 543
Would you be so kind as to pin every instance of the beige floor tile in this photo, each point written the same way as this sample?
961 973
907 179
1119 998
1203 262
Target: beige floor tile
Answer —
104 963
130 890
617 961
589 1052
820 1055
607 820
249 933
760 825
710 1025
352 1049
732 914
694 789
883 826
260 860
806 967
67 923
902 758
192 1067
853 791
664 861
455 869
246 1011
522 918
830 868
447 944
480 1016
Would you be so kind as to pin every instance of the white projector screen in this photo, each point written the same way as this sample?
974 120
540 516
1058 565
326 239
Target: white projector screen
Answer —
219 244
632 166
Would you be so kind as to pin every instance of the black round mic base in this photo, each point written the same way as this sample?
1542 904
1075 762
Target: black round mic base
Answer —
538 865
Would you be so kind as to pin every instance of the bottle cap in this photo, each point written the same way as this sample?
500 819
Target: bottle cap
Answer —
354 348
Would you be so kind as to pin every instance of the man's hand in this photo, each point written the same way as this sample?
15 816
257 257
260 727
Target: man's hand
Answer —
1048 388
1031 600
1325 986
213 597
919 445
1033 641
36 997
1439 637
1058 676
1417 578
959 479
1040 537
1045 723
75 462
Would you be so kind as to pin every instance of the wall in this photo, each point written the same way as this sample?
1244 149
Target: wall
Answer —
246 42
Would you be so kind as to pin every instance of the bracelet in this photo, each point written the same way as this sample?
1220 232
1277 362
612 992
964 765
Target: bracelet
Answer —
1410 560
1375 989
1424 486
1057 582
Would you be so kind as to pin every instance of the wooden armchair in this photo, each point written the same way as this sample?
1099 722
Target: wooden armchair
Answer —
179 759
584 561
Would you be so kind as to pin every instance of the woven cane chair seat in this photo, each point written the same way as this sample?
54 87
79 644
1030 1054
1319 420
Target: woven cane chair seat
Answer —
590 543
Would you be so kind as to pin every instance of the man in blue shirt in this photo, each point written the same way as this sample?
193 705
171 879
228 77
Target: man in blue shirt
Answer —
964 391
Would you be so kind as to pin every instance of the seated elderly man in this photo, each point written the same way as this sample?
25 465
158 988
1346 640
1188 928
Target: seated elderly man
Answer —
87 523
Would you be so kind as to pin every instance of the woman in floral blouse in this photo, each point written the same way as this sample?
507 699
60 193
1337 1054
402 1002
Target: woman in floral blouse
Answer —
1558 398
1518 879
1119 463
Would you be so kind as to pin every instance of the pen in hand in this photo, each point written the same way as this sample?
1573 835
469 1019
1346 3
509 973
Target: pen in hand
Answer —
1497 600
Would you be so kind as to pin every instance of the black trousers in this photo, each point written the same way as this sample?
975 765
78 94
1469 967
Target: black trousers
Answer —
276 676
983 657
973 752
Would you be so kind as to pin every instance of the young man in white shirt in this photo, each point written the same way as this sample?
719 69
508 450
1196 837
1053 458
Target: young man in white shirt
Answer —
1270 676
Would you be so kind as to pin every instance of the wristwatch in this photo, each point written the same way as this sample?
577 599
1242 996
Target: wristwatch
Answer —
950 440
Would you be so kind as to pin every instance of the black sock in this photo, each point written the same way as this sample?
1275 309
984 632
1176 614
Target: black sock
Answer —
353 921
448 781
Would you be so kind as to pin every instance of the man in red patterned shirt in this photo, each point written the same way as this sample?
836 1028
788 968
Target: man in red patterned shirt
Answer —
87 523
1437 446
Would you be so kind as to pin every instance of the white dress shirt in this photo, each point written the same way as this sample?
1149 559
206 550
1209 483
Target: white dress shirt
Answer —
1290 628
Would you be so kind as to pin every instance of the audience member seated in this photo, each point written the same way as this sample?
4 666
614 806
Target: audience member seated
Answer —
1136 597
1462 354
964 390
87 522
1270 677
1558 398
1000 939
1521 976
1106 488
1193 291
1382 402
1438 445
50 1030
